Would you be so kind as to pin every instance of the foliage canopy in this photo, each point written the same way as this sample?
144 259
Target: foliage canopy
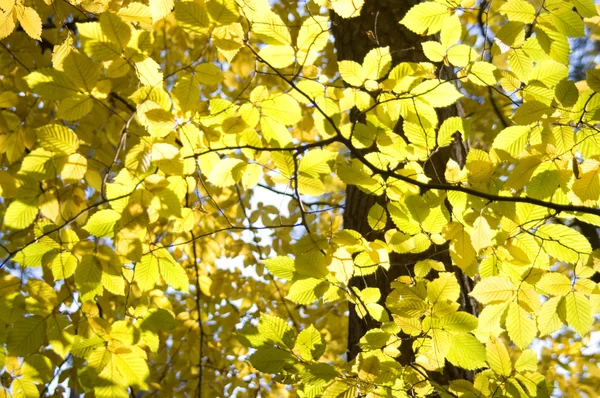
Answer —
172 183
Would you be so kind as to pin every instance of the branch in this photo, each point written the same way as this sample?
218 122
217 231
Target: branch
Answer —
426 186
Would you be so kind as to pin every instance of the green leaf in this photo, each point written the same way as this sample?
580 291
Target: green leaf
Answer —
64 265
37 368
568 22
82 71
159 319
103 222
531 112
276 331
310 344
26 336
307 291
88 277
567 94
104 40
281 266
460 322
21 213
271 360
449 127
466 351
22 388
593 79
82 347
586 8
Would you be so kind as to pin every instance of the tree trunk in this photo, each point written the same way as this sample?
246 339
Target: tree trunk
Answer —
378 26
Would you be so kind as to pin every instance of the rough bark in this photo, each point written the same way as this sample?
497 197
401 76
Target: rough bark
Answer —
378 26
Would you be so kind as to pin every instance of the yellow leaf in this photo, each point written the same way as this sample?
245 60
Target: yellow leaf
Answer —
579 313
482 234
434 51
426 18
160 9
377 63
437 93
37 368
495 289
192 17
351 72
270 28
30 21
555 283
51 84
342 265
528 361
63 265
443 288
466 351
224 12
347 8
482 74
208 74
518 10
377 217
82 71
20 214
278 56
137 13
149 72
7 23
227 172
521 328
497 357
548 319
187 93
75 107
57 138
312 38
